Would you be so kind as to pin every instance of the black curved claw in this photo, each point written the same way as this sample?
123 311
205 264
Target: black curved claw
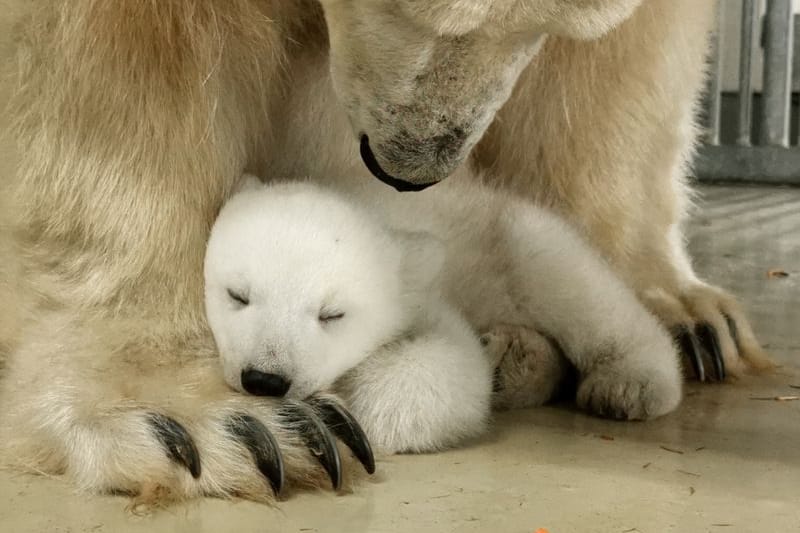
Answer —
262 446
302 418
344 426
691 348
710 340
177 441
733 328
498 384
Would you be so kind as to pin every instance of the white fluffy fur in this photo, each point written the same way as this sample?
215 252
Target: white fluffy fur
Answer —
420 380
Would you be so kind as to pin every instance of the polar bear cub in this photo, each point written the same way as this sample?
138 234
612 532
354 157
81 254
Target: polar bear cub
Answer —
302 287
379 296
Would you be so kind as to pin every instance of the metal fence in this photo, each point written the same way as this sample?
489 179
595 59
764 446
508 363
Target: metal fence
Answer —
751 135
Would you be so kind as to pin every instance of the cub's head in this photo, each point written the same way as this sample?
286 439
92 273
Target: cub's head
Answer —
301 287
421 80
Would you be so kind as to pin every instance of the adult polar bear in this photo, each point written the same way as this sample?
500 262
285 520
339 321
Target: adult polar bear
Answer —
136 118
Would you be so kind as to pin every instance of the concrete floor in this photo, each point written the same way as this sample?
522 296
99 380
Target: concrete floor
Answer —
723 462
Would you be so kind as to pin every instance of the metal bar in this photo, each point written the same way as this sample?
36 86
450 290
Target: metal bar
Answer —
712 133
749 19
753 164
796 79
778 49
796 54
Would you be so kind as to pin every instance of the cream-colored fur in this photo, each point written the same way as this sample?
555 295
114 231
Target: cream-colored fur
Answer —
9 312
134 120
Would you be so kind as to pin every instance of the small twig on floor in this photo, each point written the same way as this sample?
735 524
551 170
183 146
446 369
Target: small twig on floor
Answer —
631 530
794 386
776 398
688 473
777 273
606 437
671 450
700 449
721 525
646 465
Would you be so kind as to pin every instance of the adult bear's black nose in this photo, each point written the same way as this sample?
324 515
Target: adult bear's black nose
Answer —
263 384
373 166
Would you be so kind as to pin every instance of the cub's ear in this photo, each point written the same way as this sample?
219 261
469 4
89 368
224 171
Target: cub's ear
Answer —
248 182
422 259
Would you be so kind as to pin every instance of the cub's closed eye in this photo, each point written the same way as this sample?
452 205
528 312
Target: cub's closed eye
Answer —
326 316
238 297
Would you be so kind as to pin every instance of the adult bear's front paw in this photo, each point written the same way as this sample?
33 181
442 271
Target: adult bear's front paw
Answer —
711 330
314 423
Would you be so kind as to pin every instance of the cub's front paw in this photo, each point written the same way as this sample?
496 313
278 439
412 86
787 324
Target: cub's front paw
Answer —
623 394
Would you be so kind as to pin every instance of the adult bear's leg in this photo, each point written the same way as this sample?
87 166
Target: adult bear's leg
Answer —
602 131
135 120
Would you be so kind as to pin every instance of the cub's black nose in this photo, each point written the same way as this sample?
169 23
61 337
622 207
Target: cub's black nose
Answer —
262 384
